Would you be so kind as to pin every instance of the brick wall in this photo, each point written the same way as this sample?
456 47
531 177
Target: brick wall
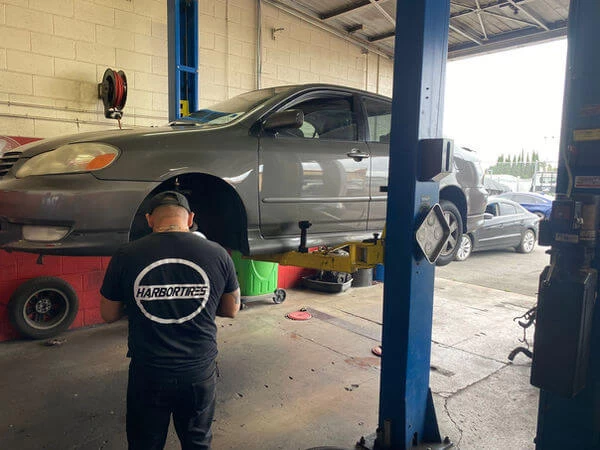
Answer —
84 274
53 54
300 53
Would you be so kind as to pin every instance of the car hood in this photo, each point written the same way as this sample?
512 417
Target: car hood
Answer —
109 136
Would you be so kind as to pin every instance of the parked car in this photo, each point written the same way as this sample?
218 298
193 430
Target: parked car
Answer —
252 166
506 224
538 204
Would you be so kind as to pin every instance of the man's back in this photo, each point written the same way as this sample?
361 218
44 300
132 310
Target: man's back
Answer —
171 284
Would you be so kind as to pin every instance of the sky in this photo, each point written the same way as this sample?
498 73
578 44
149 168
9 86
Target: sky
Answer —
504 102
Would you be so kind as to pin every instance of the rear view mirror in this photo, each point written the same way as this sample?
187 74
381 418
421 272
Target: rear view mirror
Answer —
292 118
487 216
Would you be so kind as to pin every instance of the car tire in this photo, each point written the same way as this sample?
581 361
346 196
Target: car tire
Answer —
465 248
43 307
527 242
454 220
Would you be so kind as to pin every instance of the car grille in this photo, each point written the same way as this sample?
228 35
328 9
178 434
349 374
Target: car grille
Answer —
7 161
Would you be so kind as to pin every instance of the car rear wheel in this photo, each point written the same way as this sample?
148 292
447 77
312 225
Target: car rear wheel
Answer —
454 220
465 248
527 242
43 307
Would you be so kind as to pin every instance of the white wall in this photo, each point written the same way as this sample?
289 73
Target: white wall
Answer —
53 54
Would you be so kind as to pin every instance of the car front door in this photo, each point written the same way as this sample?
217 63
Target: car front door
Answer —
379 124
494 233
317 172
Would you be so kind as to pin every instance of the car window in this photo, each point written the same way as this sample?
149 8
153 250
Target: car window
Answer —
234 108
540 201
379 119
522 199
492 209
506 209
520 209
326 118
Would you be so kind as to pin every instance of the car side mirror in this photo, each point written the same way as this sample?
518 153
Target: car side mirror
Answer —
487 216
292 118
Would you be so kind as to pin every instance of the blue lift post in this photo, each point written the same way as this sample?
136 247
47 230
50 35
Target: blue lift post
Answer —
406 414
563 422
182 19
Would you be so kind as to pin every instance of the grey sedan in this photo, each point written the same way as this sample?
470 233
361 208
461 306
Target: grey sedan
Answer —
506 225
252 166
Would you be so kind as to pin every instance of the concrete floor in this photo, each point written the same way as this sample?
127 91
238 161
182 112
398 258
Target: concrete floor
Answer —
297 385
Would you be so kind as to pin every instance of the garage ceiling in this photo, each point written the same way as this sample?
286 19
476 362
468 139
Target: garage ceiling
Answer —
476 26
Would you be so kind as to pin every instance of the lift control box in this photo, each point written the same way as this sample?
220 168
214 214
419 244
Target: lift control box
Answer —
436 159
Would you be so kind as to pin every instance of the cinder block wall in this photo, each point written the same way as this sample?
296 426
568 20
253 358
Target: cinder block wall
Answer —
53 54
299 53
84 274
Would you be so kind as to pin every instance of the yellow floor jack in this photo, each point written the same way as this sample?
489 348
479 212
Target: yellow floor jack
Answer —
347 257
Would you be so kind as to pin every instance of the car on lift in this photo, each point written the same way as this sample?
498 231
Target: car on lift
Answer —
539 204
506 225
252 166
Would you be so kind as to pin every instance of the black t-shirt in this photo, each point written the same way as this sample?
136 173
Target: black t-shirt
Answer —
171 284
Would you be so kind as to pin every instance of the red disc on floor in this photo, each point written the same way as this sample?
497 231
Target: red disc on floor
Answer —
298 315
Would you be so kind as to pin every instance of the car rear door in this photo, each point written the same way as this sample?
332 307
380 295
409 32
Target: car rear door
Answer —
511 224
378 113
317 172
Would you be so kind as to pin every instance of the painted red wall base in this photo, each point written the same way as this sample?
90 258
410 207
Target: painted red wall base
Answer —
85 275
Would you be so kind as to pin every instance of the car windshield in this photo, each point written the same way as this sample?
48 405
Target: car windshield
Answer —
232 109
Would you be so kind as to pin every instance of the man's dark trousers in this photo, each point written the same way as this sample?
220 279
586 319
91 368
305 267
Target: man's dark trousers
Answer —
153 395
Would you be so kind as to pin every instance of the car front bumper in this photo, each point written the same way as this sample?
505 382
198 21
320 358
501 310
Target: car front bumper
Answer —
97 213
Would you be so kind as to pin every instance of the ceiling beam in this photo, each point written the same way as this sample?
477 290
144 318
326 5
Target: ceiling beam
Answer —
326 27
354 28
382 37
465 33
515 39
529 14
514 19
383 12
471 10
478 11
348 10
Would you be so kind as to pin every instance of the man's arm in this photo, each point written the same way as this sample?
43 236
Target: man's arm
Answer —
229 304
110 311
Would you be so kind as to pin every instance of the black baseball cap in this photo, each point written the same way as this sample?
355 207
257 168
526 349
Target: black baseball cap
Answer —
168 198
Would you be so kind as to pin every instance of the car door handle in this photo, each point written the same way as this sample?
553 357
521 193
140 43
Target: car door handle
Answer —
357 155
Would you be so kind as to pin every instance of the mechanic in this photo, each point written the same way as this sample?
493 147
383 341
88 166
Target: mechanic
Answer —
171 284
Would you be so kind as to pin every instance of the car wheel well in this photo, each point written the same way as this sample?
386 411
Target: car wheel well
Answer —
456 196
219 211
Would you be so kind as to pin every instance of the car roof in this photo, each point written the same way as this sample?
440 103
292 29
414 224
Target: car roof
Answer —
333 87
500 199
531 194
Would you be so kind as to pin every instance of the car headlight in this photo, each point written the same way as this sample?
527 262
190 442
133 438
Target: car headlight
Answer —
70 158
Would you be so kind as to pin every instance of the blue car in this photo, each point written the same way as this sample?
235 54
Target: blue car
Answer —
538 204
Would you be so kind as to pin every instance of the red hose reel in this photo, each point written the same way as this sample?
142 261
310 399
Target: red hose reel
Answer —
113 92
